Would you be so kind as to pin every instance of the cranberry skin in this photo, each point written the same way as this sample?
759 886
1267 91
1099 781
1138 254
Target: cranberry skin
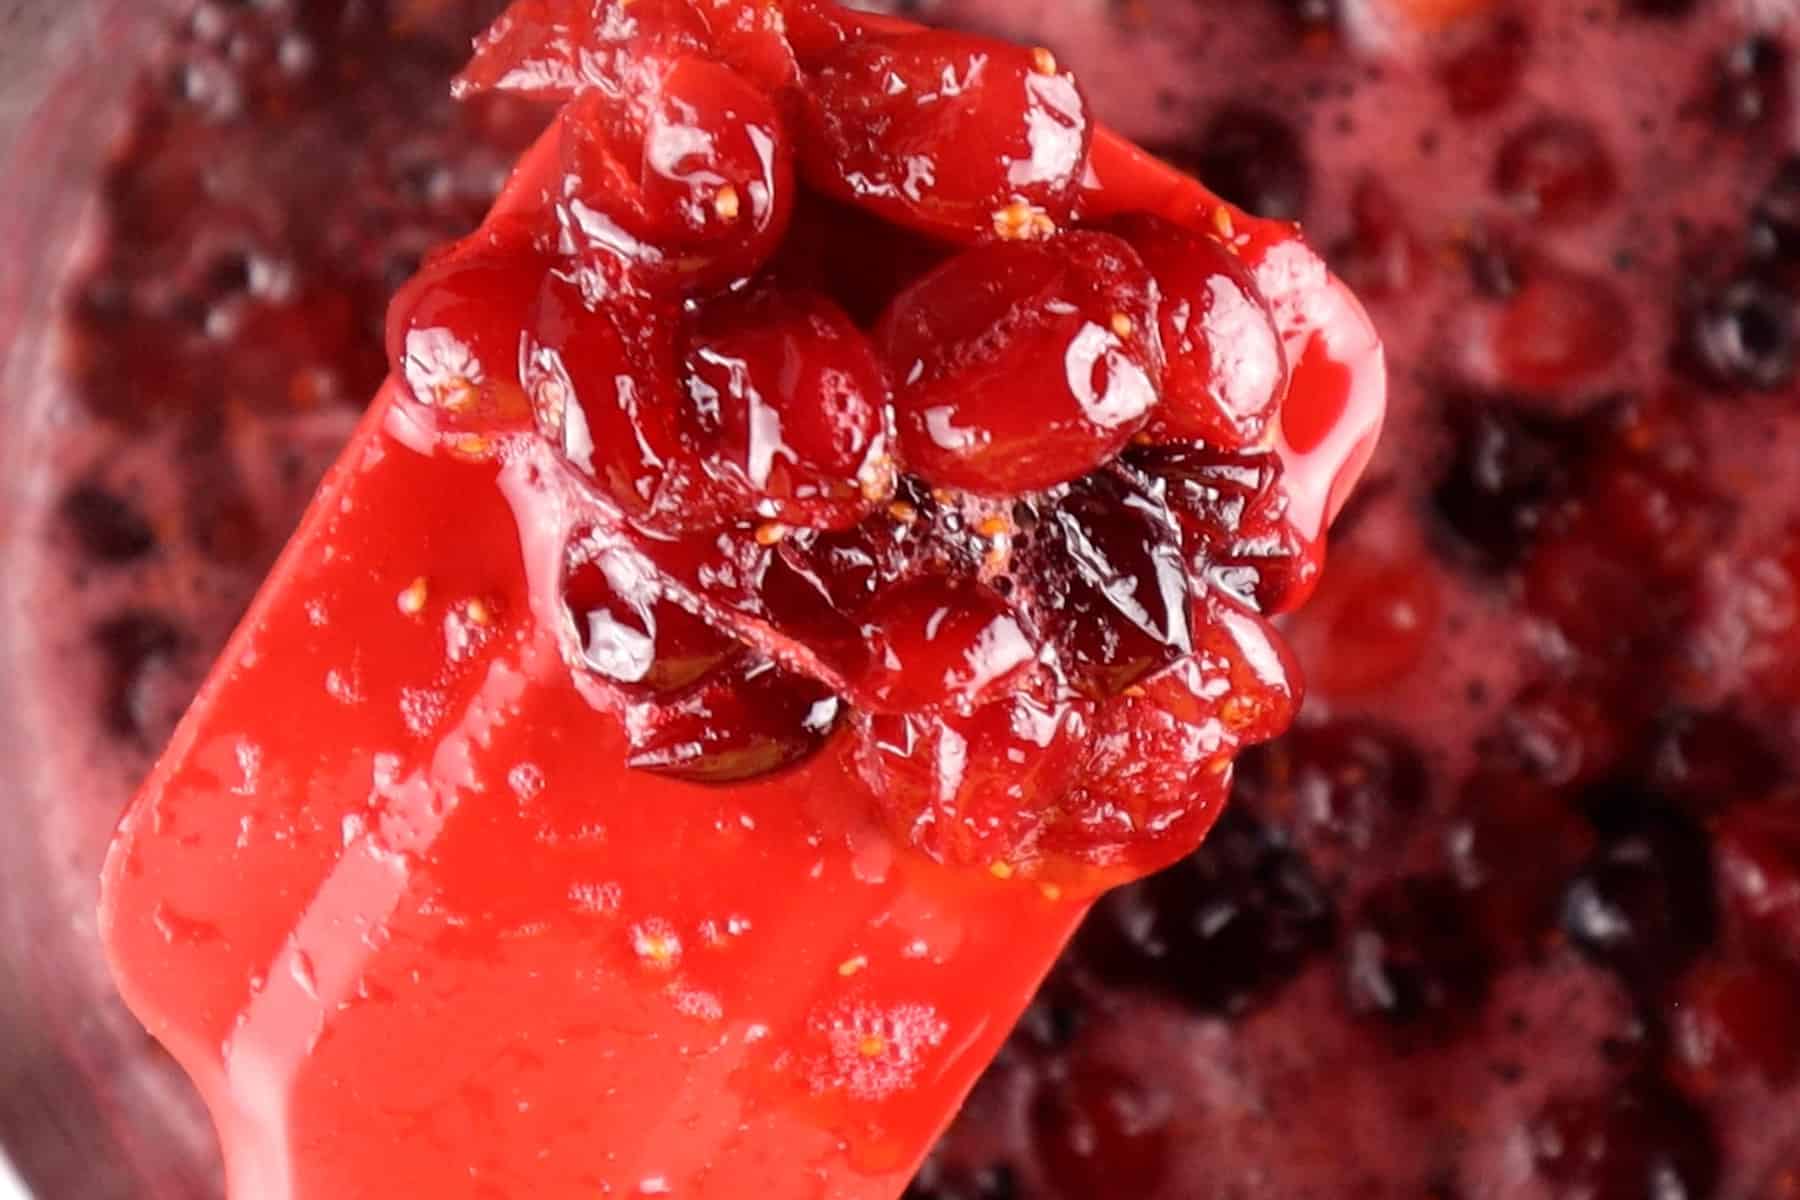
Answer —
559 49
1732 1018
1635 1141
1107 571
1233 516
455 335
745 720
1227 370
1222 929
940 640
1555 170
602 383
691 180
973 788
787 402
630 632
1022 365
961 137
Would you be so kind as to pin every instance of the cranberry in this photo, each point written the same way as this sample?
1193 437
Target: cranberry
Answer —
1555 170
1506 467
1222 929
1711 761
1227 370
936 640
974 788
1252 157
959 136
1512 844
1629 1143
1643 903
108 526
1482 76
691 181
1021 365
1414 954
1233 517
142 696
1102 1134
1758 852
1727 1019
1383 256
1106 565
1741 334
1381 619
602 383
1561 327
1775 220
744 720
1342 789
629 630
937 1182
788 403
557 49
455 337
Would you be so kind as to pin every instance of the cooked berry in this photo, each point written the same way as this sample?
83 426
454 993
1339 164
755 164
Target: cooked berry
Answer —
1227 370
1340 789
1512 844
1482 76
1741 335
1102 1134
1252 157
787 402
1731 1018
688 176
1560 328
959 136
456 336
1223 928
1021 365
1758 865
1635 1142
1506 467
938 1182
137 649
1382 619
1775 221
936 640
1555 170
535 49
1232 512
976 788
632 633
1710 761
107 526
744 720
1414 954
1662 8
1753 85
1643 903
1106 564
1383 256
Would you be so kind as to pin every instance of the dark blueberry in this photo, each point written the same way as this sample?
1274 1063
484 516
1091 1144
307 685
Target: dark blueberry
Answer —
1415 954
1339 788
1636 1142
1713 760
107 526
1643 902
1109 573
1741 335
1752 86
1254 158
1775 220
1506 467
1221 929
1667 9
137 649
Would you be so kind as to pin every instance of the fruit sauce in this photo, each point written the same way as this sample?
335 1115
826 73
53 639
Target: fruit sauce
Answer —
1515 910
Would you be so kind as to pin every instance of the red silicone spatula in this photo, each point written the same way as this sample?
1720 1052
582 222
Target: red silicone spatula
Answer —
395 902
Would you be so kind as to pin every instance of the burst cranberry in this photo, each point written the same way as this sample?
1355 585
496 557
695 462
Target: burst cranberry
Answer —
1742 334
1106 565
1342 789
629 630
1227 370
1643 904
1223 928
1555 170
1731 1018
557 49
1233 516
1383 256
1632 1142
1381 620
691 180
1711 761
743 720
1102 1134
1021 365
959 136
935 640
455 336
973 788
788 403
1758 867
1559 329
1414 955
